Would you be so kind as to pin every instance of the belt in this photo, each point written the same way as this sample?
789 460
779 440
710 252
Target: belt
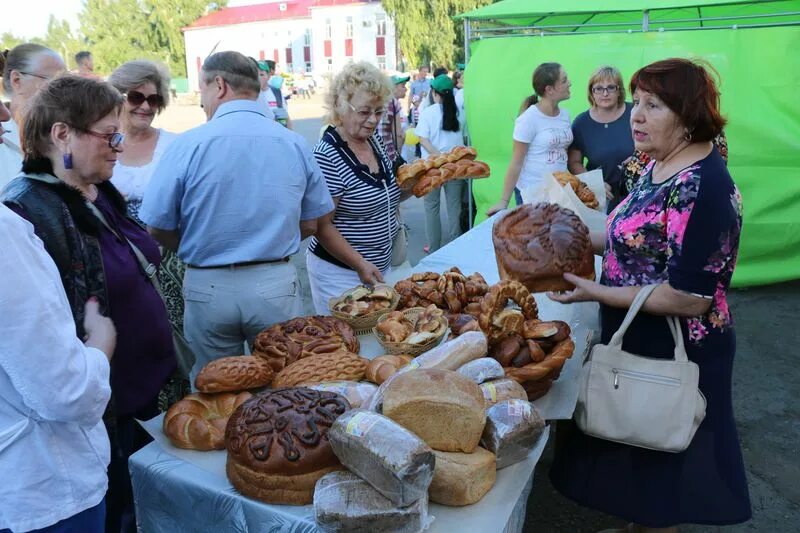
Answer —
243 264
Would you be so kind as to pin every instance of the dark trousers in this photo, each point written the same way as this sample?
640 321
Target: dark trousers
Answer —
88 521
127 437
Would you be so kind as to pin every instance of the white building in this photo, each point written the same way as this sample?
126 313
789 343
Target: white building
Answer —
313 36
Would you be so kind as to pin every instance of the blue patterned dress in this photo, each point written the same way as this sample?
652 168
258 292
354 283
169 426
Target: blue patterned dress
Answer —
684 231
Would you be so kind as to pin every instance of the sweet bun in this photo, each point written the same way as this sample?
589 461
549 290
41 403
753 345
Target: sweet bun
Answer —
197 422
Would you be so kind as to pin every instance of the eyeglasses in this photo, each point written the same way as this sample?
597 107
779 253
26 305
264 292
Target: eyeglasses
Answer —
46 78
364 114
114 139
135 98
610 89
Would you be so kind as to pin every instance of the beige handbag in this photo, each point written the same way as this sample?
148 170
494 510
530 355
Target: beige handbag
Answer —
640 401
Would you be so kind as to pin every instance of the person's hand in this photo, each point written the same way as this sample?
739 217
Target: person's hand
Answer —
369 274
609 194
496 208
100 330
584 291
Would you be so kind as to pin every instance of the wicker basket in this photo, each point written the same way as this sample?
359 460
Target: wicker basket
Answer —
363 324
399 348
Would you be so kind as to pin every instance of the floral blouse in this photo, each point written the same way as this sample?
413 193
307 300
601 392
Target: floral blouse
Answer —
684 231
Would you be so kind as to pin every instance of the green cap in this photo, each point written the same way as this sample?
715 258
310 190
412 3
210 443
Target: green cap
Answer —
266 65
441 83
397 80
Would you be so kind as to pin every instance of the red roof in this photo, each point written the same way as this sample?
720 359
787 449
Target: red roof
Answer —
261 12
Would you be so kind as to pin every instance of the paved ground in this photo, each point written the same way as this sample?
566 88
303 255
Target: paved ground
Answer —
766 383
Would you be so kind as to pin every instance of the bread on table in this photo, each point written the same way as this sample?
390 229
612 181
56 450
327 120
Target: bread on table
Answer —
482 370
536 244
512 429
383 366
355 392
235 373
335 366
197 422
502 389
278 445
462 478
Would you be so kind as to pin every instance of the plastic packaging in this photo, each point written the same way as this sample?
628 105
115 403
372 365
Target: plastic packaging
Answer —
356 392
397 463
345 502
512 429
500 390
452 354
482 370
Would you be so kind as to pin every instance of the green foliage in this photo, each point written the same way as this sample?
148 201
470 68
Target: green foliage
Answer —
426 29
61 38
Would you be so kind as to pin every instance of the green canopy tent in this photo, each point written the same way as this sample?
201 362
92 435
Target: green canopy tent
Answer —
753 45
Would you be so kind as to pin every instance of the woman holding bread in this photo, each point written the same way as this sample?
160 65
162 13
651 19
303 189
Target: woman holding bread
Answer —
72 140
542 134
678 228
353 244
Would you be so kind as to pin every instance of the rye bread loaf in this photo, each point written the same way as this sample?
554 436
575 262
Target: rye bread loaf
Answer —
343 502
442 407
462 478
397 463
483 369
512 429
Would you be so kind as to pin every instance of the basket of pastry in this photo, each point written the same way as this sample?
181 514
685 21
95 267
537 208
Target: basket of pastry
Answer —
362 307
531 351
424 175
452 291
413 331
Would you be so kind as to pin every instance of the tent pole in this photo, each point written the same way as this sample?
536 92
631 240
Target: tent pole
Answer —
646 20
467 37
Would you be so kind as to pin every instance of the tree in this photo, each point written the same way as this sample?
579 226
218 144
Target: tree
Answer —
8 41
62 39
427 31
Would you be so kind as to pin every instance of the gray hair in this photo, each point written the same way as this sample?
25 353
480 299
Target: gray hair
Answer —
24 58
236 69
135 73
354 77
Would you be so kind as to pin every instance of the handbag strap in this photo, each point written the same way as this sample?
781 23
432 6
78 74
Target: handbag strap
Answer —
636 305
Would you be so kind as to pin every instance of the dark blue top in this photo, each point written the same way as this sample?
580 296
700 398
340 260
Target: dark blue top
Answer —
605 146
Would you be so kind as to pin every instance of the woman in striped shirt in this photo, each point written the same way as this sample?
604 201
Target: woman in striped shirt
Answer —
354 244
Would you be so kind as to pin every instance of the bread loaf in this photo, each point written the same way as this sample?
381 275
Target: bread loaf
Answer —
197 422
462 478
453 354
512 429
442 407
335 366
356 392
380 368
500 390
343 502
236 373
397 463
481 370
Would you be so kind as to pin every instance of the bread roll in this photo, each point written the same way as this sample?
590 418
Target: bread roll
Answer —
197 422
343 502
500 390
356 392
462 478
442 407
383 366
512 429
481 370
396 462
236 373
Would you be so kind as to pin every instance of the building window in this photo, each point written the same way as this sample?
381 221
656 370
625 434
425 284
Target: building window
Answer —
382 62
348 31
380 24
307 37
330 65
308 66
328 31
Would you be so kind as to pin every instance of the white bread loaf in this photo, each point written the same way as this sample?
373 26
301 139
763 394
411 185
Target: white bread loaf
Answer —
442 407
501 390
394 461
356 392
512 429
482 370
452 354
462 478
343 502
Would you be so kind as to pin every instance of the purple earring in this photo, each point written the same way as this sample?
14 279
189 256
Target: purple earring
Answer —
68 161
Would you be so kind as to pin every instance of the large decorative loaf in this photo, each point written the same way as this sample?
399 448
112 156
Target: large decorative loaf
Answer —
392 459
462 478
512 429
278 444
235 373
197 422
343 502
320 368
356 392
442 407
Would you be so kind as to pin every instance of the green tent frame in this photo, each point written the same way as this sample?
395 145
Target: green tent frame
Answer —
754 45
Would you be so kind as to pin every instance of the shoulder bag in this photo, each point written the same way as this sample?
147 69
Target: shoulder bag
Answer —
640 401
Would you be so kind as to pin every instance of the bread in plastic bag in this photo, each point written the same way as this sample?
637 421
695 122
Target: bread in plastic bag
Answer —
500 390
512 429
482 370
452 354
356 392
397 463
345 502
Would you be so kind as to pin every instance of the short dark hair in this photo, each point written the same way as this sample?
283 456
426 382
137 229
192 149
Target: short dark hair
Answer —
689 90
73 100
236 69
83 54
270 64
440 70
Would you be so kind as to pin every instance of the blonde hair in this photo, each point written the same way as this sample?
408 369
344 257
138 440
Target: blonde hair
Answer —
607 72
354 77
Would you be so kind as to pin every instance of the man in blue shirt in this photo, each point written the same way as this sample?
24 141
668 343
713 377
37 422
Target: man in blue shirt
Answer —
421 85
234 197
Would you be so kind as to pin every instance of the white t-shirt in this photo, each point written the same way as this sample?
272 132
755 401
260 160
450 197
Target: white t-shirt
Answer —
548 137
277 112
132 181
264 100
430 127
10 153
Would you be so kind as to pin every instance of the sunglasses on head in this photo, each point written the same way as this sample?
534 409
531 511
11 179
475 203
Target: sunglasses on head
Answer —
135 98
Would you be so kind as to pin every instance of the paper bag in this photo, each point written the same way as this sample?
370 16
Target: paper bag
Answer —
551 191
